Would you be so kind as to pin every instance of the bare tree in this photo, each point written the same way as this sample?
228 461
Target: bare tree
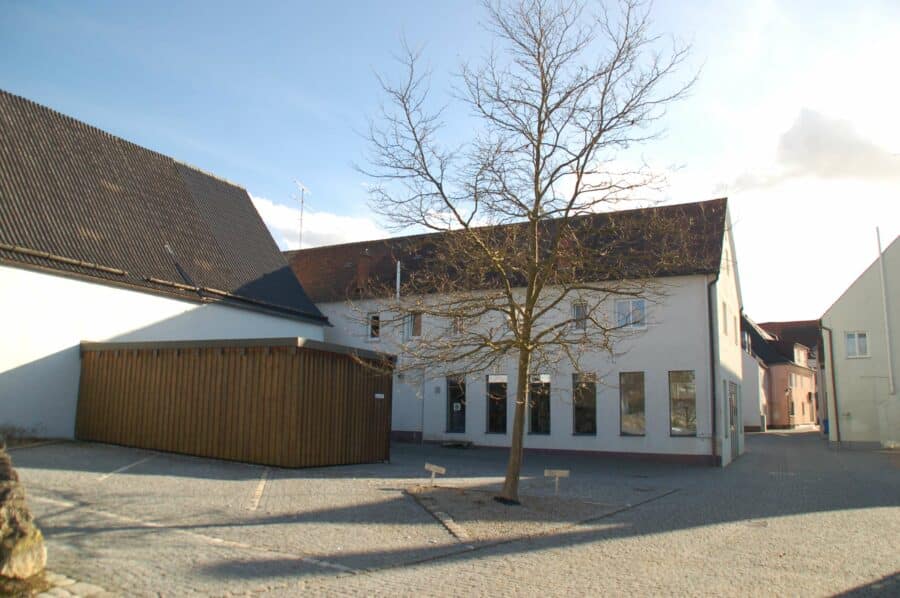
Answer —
523 264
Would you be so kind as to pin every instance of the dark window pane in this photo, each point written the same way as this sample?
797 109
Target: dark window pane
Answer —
496 405
682 404
631 395
539 416
456 405
584 403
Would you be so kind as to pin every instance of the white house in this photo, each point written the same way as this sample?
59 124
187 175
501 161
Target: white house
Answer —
755 385
685 357
860 362
103 240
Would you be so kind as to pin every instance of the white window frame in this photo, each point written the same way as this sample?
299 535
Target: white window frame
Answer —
369 318
409 325
579 323
630 324
855 334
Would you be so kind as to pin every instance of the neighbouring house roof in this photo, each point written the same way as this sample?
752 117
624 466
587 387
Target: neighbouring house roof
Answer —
803 332
766 345
78 201
333 273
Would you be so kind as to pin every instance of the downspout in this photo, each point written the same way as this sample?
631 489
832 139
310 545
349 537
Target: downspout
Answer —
887 326
834 393
712 368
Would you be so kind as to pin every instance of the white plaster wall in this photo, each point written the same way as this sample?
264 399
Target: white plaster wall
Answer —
751 384
675 339
44 317
728 344
868 412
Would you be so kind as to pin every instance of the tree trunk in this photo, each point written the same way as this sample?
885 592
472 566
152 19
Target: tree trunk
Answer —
510 492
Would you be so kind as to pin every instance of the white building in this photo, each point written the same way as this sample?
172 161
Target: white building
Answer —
102 240
685 357
860 361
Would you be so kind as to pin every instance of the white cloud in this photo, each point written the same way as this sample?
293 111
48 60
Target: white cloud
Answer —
827 148
319 227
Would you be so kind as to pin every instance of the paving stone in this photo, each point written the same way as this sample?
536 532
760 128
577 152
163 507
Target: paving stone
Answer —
790 517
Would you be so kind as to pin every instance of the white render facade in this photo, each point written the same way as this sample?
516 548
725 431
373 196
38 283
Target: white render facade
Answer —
862 409
676 339
46 316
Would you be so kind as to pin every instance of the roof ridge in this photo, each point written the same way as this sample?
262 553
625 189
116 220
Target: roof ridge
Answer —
292 252
118 137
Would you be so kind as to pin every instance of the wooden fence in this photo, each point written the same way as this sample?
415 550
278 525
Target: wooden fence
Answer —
283 402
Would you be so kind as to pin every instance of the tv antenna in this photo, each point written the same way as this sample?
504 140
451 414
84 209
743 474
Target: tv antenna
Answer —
302 198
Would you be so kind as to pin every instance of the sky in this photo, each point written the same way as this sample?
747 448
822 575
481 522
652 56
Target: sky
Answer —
793 118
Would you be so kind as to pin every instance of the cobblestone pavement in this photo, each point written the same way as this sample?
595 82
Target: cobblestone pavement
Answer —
789 517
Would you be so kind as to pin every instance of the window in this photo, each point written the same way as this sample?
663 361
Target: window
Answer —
630 313
792 380
584 403
631 397
456 404
457 325
737 331
724 318
373 326
579 315
857 344
682 404
539 403
496 415
413 325
791 406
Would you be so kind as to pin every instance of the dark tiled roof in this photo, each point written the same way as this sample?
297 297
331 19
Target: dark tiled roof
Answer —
333 273
804 332
79 201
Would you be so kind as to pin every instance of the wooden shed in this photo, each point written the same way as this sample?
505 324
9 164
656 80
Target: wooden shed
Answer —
287 402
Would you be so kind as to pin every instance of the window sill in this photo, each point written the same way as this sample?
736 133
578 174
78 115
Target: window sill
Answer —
694 435
858 356
455 432
538 433
584 434
496 433
626 435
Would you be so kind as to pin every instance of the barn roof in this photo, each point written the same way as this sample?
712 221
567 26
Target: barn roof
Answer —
77 201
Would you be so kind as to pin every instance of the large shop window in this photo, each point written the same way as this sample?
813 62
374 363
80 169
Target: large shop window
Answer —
539 403
456 404
682 404
584 403
496 415
631 395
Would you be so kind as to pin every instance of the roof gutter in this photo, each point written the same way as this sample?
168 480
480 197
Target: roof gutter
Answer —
834 393
712 369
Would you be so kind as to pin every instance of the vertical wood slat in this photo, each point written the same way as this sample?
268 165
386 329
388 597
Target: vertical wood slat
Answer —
281 406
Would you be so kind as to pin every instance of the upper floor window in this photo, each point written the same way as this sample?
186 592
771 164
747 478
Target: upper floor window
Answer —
373 326
737 331
579 315
456 325
857 344
631 313
413 325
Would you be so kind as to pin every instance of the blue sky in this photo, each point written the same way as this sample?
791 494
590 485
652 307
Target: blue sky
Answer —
795 105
